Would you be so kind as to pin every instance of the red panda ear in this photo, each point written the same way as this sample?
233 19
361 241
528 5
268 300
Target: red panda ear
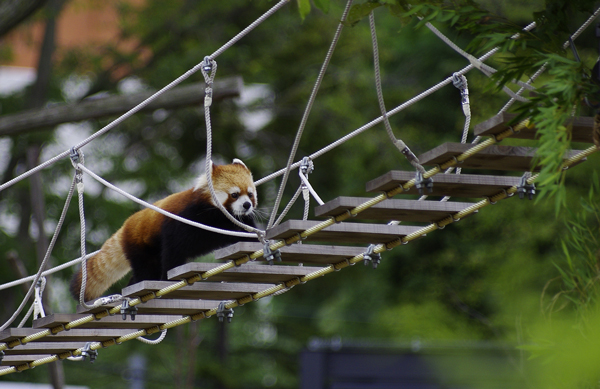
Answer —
239 161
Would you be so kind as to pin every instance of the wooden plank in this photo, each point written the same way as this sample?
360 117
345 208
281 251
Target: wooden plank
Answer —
455 185
362 233
74 335
511 158
15 360
302 253
198 290
249 272
141 321
44 348
581 130
163 307
392 209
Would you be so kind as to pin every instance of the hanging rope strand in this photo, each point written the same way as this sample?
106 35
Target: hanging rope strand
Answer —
208 71
307 110
36 278
404 149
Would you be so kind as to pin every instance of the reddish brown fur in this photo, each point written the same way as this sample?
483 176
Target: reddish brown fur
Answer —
143 227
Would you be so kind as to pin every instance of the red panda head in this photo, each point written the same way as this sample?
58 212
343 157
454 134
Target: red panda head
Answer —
234 187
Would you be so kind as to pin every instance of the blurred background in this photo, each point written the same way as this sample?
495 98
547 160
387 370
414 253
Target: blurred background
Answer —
462 308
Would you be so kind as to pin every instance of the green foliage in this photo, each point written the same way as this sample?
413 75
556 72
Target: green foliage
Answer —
580 271
479 279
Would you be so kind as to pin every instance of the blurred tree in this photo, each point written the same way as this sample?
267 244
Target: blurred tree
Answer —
480 279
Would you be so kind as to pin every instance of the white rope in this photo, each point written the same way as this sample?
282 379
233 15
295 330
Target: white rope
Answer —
162 211
289 205
144 103
543 67
47 272
77 160
163 335
404 149
310 188
46 257
26 317
485 69
211 65
307 110
37 308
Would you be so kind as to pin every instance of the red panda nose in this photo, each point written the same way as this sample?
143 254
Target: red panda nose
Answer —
247 205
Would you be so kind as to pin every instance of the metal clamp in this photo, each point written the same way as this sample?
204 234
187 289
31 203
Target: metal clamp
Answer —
271 255
223 312
88 352
126 309
524 188
370 256
423 183
207 64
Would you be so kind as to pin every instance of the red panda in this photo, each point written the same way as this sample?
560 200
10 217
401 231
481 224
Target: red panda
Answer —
150 243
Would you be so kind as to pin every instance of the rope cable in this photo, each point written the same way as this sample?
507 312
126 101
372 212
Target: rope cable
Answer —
404 149
46 257
144 103
307 110
162 211
208 71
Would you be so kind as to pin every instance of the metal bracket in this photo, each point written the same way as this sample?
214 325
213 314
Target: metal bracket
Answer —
423 183
307 166
128 310
88 352
271 255
370 256
524 188
223 312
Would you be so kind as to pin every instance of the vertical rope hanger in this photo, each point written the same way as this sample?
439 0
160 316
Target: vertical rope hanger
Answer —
410 156
209 69
309 105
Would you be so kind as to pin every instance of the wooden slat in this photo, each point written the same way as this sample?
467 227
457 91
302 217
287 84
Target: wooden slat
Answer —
511 158
581 128
342 232
74 335
455 185
45 348
302 253
141 321
199 290
163 307
15 360
392 209
249 272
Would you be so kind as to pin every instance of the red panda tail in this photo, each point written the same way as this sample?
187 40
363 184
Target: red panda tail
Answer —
103 269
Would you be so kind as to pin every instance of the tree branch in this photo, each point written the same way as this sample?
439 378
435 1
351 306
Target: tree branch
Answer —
36 119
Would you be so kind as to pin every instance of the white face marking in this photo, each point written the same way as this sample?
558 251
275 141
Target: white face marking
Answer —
221 196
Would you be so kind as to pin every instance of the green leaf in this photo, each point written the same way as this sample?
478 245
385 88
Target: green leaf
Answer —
303 8
360 11
323 5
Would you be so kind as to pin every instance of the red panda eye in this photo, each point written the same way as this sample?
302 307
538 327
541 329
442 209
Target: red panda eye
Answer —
235 195
250 195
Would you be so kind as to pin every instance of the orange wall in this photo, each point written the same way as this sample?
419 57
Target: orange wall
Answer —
81 23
